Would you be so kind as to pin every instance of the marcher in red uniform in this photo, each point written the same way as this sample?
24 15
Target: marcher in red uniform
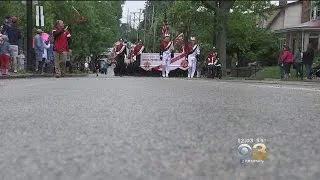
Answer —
121 51
166 53
214 65
193 54
138 50
61 46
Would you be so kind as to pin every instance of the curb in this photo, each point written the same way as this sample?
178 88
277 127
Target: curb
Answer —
27 76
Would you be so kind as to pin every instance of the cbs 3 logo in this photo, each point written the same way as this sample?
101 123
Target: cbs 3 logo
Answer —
258 151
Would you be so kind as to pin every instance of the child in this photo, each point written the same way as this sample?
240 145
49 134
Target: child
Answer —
4 55
21 60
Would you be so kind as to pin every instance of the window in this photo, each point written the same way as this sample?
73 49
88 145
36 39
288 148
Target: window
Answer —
315 12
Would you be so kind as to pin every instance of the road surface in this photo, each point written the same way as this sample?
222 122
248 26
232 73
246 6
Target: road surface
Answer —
155 128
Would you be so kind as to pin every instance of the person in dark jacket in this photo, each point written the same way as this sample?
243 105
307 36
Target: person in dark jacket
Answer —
97 66
307 60
14 36
298 62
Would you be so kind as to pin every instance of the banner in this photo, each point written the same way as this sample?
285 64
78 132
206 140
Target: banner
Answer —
152 61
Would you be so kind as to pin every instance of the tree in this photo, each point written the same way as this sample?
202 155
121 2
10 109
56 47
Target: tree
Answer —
92 37
221 9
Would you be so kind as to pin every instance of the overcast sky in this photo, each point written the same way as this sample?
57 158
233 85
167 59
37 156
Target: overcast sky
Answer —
133 6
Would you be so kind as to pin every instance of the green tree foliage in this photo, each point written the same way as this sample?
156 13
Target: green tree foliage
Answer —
160 7
249 42
91 37
245 40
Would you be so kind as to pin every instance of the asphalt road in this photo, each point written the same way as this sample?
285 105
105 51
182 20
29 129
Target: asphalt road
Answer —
154 128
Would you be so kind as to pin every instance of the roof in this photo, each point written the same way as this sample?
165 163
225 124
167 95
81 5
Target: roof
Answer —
310 25
282 8
315 23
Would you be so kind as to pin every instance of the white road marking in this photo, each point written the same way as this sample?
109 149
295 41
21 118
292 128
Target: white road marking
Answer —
286 87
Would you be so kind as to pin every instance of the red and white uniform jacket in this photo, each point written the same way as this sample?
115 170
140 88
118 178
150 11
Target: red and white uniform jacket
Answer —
182 49
193 51
121 49
166 49
138 50
213 58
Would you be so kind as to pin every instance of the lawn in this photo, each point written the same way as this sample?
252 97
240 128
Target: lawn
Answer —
273 72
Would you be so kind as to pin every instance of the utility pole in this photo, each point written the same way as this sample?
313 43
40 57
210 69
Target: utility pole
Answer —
138 24
154 30
30 59
145 28
134 19
128 17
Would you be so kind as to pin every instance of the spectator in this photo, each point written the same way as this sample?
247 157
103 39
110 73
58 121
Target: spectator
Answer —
4 55
62 44
14 36
6 22
86 67
49 68
45 60
39 49
298 62
308 60
287 59
21 58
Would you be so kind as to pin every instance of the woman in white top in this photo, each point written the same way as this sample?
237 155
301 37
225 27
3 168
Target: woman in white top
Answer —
46 46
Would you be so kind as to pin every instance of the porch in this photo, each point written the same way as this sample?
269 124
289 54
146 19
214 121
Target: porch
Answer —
301 36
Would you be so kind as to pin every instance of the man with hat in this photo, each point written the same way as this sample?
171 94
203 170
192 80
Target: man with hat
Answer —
121 52
166 53
214 64
193 54
137 51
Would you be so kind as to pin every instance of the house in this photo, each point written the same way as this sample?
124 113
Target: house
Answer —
297 24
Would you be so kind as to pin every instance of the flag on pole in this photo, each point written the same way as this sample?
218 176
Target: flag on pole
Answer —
165 26
77 17
179 38
75 13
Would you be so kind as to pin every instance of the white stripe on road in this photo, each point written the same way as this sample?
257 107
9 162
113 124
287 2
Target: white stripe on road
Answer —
286 87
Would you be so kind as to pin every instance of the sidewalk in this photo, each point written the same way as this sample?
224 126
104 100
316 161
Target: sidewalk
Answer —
31 75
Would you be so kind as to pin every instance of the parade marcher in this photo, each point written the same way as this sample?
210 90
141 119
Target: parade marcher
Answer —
166 53
121 51
193 54
137 51
214 64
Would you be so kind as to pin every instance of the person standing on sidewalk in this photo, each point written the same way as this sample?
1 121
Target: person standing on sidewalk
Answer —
14 36
308 60
4 55
62 44
39 48
21 58
298 62
287 59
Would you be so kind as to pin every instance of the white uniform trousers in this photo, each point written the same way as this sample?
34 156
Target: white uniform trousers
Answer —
192 64
166 60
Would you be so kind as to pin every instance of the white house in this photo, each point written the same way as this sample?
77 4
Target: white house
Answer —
297 24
